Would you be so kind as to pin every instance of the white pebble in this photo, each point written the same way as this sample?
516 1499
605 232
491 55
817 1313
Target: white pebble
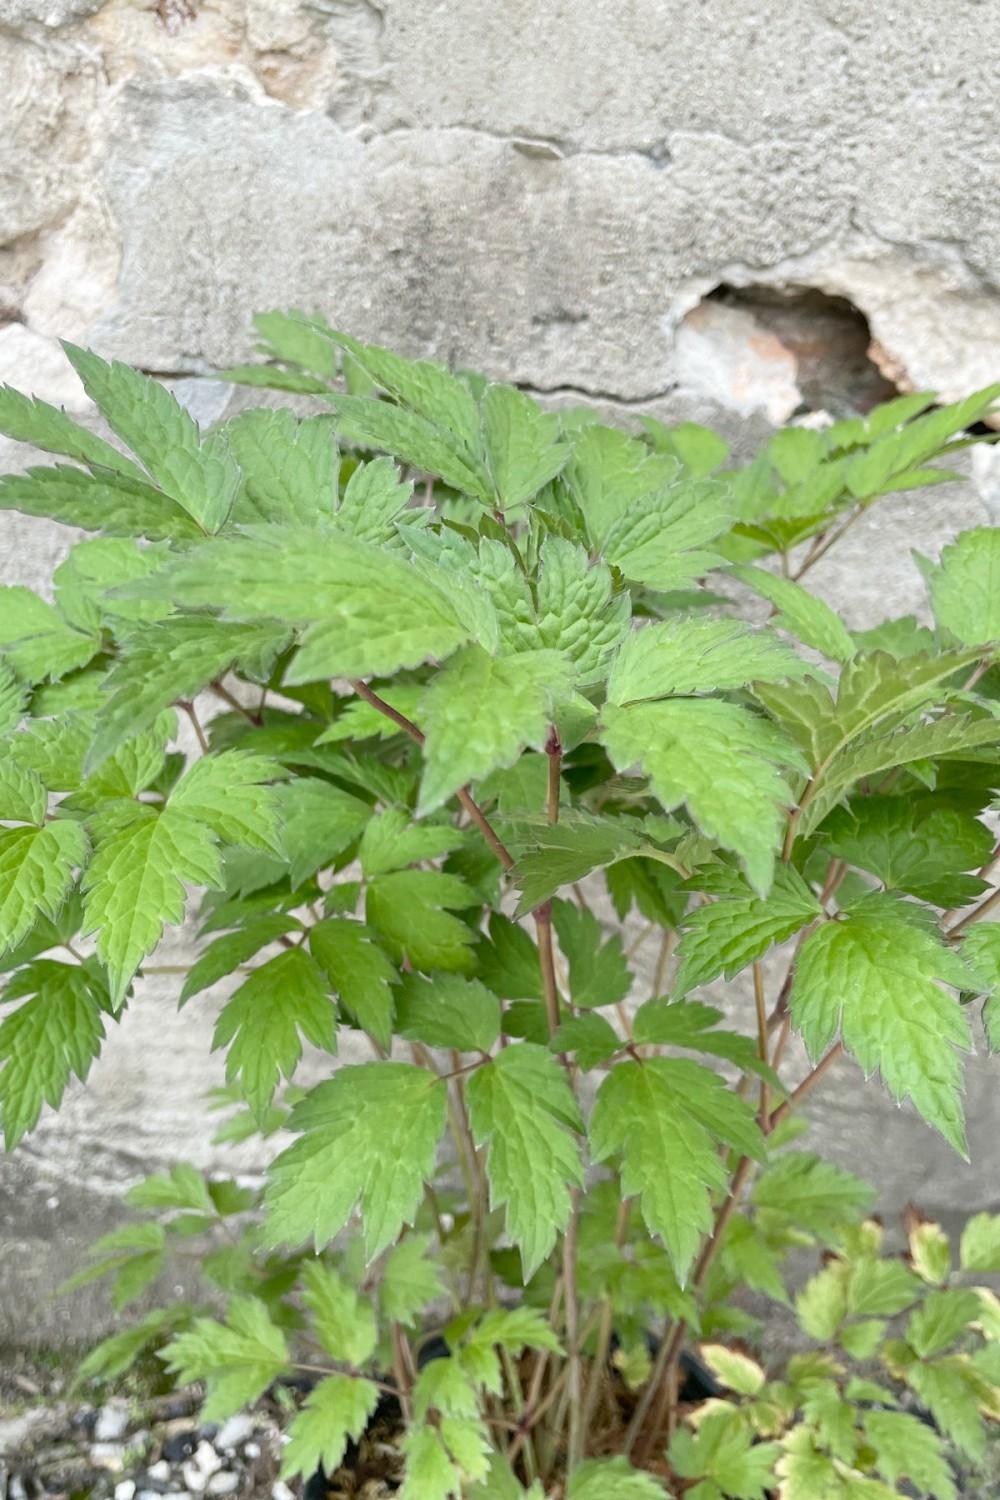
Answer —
281 1491
125 1490
234 1433
111 1423
159 1470
252 1450
222 1484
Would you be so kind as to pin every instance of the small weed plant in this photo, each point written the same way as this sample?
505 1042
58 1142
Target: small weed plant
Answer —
443 708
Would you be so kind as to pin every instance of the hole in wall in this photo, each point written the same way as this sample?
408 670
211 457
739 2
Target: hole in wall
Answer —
786 351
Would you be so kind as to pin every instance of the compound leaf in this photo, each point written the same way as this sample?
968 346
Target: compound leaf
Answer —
519 1106
261 1023
369 1140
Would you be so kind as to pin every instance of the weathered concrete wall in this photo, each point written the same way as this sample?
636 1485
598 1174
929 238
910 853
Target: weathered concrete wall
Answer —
545 191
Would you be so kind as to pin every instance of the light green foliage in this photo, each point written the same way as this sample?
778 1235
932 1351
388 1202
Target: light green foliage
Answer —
480 712
54 1034
612 1479
38 640
359 971
401 692
36 872
236 1359
410 1280
724 1457
521 444
144 859
672 1109
411 910
447 1011
720 762
877 978
520 1107
369 1137
912 846
738 926
965 588
691 655
800 613
168 660
200 475
261 1024
338 1409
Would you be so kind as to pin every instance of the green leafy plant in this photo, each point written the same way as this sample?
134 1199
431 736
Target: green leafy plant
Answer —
446 705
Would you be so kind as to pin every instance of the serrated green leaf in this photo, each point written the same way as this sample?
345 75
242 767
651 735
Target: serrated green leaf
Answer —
907 1448
392 840
507 962
410 1280
965 587
56 1033
319 821
598 970
228 793
612 1479
373 498
800 613
738 926
518 1106
36 873
237 1359
811 1192
136 881
335 1410
363 611
447 1011
167 660
480 712
428 389
143 413
724 1452
359 972
662 541
37 640
590 1037
261 1023
912 846
409 437
665 1118
23 798
409 909
440 1457
288 466
698 448
876 975
941 1318
980 1244
577 611
182 1187
117 504
117 1354
27 419
13 697
297 339
718 760
609 472
552 855
370 1136
688 1024
951 1389
691 655
344 1320
520 443
229 952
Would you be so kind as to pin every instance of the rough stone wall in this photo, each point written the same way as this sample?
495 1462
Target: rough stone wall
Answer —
597 199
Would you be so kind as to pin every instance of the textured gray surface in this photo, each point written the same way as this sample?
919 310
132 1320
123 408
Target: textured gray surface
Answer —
546 192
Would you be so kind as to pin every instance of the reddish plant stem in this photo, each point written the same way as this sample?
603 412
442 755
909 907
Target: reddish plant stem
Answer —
762 1044
808 1084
